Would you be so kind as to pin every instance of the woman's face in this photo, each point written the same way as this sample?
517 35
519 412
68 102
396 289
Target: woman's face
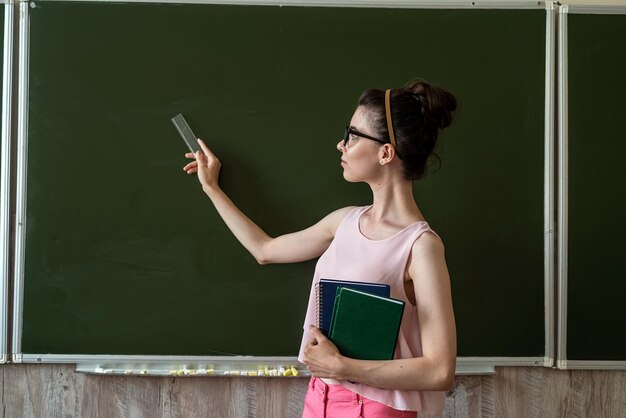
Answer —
360 155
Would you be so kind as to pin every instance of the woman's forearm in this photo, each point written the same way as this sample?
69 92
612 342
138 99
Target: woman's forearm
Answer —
247 232
418 373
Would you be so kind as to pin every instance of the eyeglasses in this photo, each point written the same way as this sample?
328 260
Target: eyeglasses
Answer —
349 131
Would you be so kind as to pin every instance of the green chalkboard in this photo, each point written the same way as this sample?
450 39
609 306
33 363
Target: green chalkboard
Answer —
124 253
596 201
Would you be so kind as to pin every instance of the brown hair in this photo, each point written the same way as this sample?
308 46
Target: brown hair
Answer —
419 111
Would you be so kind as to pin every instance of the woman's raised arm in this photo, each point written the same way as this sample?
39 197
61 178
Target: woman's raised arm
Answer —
290 248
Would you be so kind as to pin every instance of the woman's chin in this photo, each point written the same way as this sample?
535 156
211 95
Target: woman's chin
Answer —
349 178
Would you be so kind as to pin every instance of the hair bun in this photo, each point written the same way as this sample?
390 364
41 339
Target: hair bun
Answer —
417 98
437 104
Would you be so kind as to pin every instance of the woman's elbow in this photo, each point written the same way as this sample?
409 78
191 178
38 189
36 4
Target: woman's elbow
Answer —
265 258
262 253
262 258
445 380
262 261
273 251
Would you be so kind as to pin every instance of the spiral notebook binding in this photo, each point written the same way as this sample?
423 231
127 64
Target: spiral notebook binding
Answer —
318 301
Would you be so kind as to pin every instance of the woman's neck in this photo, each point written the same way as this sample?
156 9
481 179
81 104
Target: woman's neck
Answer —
393 200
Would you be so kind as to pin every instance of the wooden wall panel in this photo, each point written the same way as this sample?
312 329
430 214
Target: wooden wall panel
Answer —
529 392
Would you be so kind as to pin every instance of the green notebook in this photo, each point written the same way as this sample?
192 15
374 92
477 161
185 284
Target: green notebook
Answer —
365 326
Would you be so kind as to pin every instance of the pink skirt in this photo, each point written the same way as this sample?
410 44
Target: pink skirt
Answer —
335 401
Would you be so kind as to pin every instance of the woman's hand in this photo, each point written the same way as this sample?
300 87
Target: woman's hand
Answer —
322 357
206 164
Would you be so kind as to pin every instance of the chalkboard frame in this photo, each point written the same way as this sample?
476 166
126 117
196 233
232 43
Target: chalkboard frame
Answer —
409 4
5 177
563 127
164 364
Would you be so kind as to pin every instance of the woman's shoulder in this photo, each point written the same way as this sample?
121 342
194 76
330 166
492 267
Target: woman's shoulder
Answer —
336 217
342 212
427 242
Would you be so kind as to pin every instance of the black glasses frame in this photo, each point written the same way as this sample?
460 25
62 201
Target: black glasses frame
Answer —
349 130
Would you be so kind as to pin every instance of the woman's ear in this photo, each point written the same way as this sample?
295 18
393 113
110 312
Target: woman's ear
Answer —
387 153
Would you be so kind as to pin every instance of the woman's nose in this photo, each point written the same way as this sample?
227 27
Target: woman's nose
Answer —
340 146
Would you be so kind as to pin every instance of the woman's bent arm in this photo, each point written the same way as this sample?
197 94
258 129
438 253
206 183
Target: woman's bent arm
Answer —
435 369
298 246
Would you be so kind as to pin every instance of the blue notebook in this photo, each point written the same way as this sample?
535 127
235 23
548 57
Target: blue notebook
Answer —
327 291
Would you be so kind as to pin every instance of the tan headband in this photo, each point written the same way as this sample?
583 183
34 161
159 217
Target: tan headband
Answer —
389 121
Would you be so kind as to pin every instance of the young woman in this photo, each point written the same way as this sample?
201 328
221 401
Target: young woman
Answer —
387 145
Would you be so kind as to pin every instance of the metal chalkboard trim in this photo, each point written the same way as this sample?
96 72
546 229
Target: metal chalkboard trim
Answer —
591 365
249 366
549 172
408 4
20 211
590 10
562 204
5 178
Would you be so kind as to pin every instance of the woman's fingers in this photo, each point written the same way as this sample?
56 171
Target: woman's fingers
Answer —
206 149
206 164
191 165
317 334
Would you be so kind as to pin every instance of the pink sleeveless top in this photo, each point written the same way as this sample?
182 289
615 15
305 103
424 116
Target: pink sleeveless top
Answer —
353 257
